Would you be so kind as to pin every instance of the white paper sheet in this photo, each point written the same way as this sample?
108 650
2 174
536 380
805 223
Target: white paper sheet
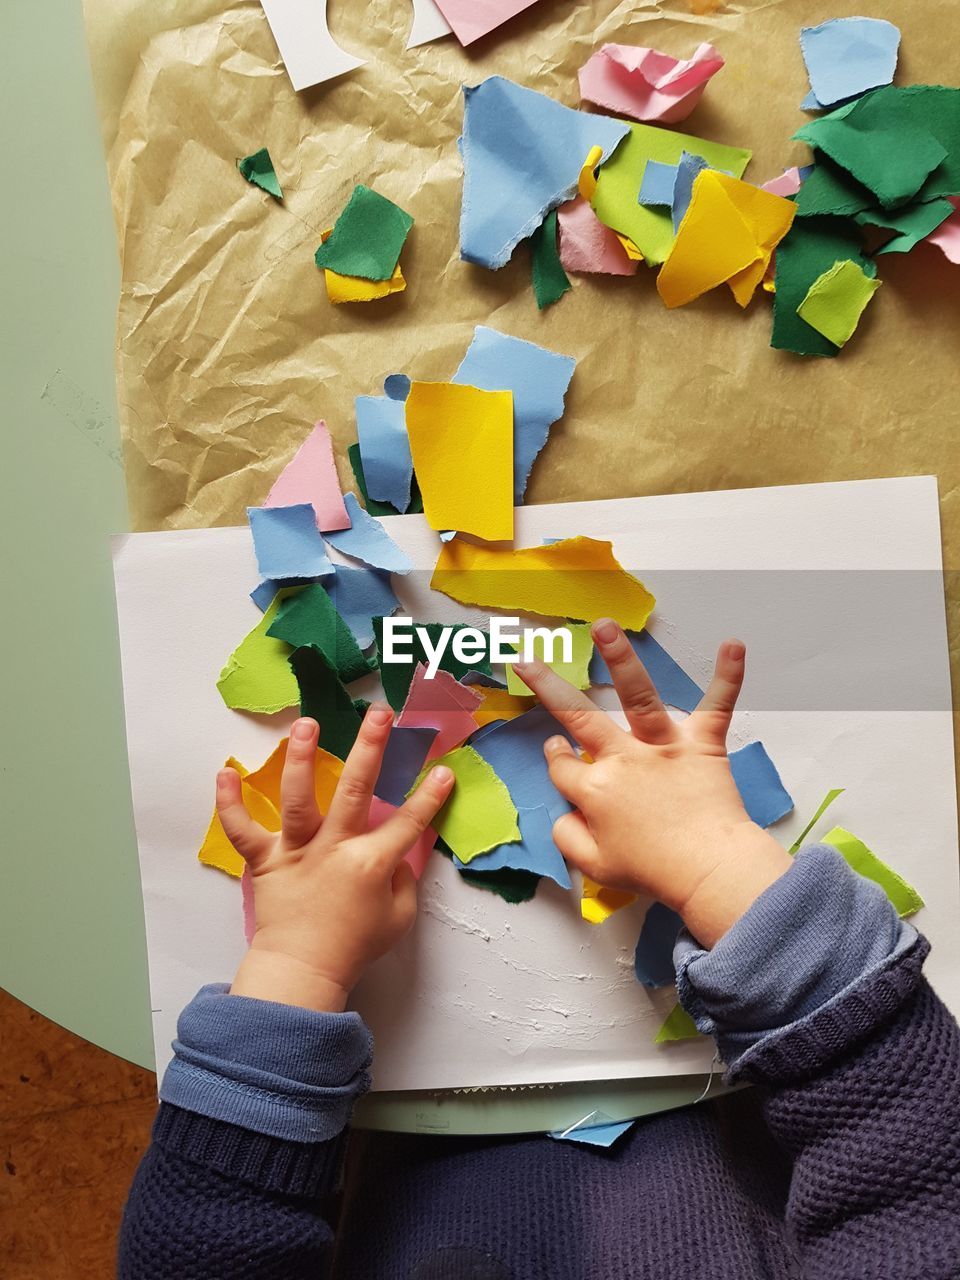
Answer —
309 52
428 24
837 590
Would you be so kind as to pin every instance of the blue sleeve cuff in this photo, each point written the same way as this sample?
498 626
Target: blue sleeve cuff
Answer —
816 933
271 1068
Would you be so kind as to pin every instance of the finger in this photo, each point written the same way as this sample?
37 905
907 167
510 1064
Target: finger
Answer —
572 837
646 714
397 836
567 771
350 809
711 720
299 815
405 896
591 727
250 840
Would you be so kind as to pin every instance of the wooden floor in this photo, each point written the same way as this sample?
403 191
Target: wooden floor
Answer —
74 1121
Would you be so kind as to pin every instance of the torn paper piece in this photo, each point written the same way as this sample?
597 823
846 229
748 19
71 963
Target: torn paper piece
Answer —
538 380
309 52
509 189
653 957
514 751
257 675
847 56
830 190
811 248
264 593
396 675
550 281
396 386
631 80
324 699
586 245
443 704
675 687
287 542
259 171
618 183
428 24
587 180
825 804
473 19
403 758
910 225
326 774
599 903
461 439
342 288
687 169
359 596
678 1025
658 183
479 814
836 300
311 476
947 235
366 238
906 900
374 507
535 851
574 578
593 1135
497 705
512 886
216 850
385 449
575 672
418 855
367 540
249 911
764 796
788 183
309 617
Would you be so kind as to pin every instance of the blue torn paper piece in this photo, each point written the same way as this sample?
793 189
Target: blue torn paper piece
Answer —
287 542
538 379
403 758
674 686
653 958
385 449
535 851
367 540
847 56
764 796
596 1135
396 386
514 750
658 183
687 170
262 595
447 535
522 155
359 596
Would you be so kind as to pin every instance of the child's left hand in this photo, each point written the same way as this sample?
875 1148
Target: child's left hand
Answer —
330 896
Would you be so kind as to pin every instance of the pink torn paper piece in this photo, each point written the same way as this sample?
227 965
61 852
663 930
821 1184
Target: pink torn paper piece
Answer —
311 476
787 184
419 855
645 84
440 703
947 236
587 245
471 19
249 918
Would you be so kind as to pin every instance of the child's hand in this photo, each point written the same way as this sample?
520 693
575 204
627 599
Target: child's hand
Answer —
658 810
330 897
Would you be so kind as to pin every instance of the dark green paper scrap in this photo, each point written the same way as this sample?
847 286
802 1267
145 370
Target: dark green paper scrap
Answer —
810 248
550 281
513 886
912 224
259 170
366 238
311 618
396 677
324 699
373 505
831 190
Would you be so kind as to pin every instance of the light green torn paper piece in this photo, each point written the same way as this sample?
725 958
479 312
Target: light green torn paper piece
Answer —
678 1025
479 814
618 184
825 804
258 169
836 301
257 675
865 862
575 672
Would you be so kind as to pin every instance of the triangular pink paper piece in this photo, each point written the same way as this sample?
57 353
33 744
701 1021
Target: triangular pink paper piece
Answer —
311 476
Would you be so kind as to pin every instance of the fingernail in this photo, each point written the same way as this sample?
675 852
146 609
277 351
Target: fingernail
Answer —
605 630
441 775
222 780
737 650
379 713
302 730
554 744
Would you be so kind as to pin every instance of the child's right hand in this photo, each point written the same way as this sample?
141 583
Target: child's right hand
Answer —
657 810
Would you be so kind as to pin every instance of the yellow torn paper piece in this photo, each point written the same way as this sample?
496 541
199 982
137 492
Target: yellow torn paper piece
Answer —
326 774
216 850
257 676
587 182
461 440
574 578
906 900
629 248
599 903
498 704
354 288
575 672
479 815
836 301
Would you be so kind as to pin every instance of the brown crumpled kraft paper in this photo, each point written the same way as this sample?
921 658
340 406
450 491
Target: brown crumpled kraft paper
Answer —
228 348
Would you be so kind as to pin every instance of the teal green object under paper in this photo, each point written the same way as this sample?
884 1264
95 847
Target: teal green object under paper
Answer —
550 281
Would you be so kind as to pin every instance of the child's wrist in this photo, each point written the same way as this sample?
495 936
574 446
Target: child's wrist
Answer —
283 979
750 861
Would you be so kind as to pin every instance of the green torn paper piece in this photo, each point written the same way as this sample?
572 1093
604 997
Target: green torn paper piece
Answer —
810 248
575 672
257 675
864 861
373 505
367 237
830 190
324 699
512 885
825 804
310 618
837 299
912 224
396 677
678 1025
618 183
479 814
259 170
550 281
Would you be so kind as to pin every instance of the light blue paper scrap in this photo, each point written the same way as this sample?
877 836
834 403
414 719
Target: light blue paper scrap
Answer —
847 56
538 379
522 155
367 540
403 758
658 183
653 957
396 386
764 796
262 595
359 596
674 686
385 449
597 1135
687 170
287 542
535 851
448 535
514 750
